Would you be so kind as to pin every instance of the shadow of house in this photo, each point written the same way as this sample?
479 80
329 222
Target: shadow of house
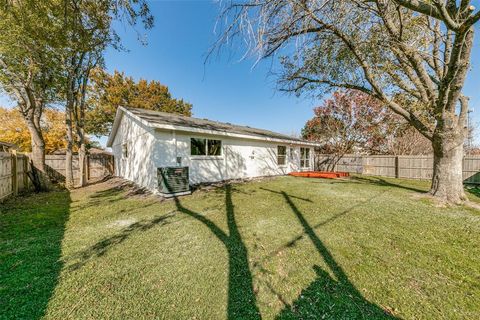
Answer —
327 297
54 174
474 191
31 234
241 297
473 179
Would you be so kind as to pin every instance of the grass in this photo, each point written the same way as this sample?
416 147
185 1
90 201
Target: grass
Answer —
284 248
31 233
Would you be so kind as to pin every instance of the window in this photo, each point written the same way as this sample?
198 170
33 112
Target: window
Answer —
292 153
125 150
304 157
203 147
198 147
214 147
281 155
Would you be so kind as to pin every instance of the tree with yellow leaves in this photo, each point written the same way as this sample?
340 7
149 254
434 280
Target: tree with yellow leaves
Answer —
13 129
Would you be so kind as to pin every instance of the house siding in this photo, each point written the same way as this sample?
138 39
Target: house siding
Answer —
149 149
138 165
241 158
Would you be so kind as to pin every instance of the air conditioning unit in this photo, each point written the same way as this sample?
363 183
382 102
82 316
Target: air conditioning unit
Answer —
173 181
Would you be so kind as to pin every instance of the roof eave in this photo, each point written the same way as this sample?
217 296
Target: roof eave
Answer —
116 124
122 110
231 134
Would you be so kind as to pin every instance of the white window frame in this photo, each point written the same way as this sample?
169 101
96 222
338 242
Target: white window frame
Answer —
304 157
284 156
206 155
292 153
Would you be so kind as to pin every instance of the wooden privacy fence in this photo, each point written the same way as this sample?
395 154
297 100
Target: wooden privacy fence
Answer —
14 168
411 167
98 165
13 174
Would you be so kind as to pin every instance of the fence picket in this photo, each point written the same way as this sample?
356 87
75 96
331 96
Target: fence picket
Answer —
14 167
409 167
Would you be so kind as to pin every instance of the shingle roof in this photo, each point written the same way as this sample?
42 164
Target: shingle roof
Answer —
164 118
5 146
90 151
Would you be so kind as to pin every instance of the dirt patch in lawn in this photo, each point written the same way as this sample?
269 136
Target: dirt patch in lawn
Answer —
116 184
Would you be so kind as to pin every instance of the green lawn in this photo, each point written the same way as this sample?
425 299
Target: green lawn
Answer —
284 248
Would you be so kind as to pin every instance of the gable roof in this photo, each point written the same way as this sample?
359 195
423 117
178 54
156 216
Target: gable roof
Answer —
170 121
6 146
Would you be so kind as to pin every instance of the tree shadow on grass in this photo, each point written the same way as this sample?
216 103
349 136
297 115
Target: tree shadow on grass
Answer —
326 297
241 297
384 183
31 234
102 246
116 191
301 236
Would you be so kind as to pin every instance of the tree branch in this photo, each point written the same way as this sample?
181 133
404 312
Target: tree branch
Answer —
378 92
473 19
421 7
464 106
407 115
306 80
414 59
451 24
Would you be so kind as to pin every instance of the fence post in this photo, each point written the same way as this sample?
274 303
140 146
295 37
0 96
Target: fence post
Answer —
111 161
363 161
397 171
26 186
14 173
87 169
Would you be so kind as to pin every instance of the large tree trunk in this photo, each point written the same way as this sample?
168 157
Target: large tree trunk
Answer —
69 182
79 125
82 163
38 148
39 169
447 180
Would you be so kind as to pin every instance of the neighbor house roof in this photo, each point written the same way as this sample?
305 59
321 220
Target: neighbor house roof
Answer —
90 151
6 146
170 121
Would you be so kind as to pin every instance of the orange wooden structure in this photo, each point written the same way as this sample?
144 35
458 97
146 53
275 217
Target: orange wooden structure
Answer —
320 174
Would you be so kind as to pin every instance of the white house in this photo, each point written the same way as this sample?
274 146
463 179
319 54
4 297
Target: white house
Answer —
144 140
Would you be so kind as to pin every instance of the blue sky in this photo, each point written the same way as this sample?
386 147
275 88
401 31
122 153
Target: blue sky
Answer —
225 89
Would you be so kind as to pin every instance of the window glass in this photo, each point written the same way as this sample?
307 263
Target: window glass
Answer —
304 157
198 147
203 147
292 153
214 147
281 155
125 150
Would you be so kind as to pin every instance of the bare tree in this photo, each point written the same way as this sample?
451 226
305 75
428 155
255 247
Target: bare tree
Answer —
412 55
350 122
408 141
